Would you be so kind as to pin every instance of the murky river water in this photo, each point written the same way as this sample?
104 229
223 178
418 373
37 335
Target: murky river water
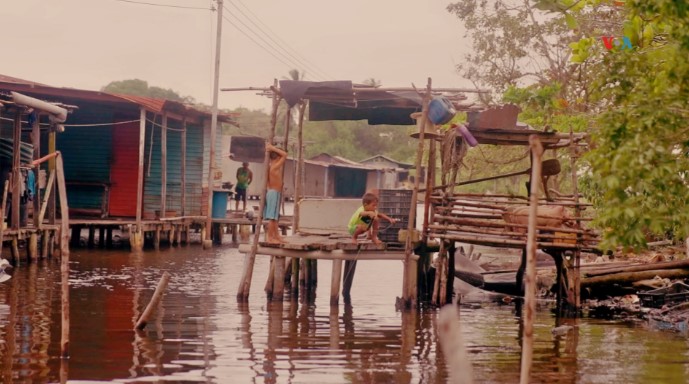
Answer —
201 334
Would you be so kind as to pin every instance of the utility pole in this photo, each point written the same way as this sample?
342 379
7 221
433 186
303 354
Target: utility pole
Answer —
207 243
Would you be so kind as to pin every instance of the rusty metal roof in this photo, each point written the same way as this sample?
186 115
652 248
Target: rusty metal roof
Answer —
46 92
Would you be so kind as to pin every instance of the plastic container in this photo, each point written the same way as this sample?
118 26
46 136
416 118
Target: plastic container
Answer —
219 210
396 204
674 294
466 134
441 111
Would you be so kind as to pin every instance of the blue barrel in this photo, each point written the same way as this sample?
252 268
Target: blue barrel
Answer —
219 204
441 110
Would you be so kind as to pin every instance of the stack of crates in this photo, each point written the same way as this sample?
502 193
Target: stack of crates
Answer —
396 204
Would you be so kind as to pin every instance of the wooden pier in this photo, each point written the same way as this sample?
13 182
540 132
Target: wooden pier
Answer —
337 247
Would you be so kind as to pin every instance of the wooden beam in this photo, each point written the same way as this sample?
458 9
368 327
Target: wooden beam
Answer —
36 142
16 174
140 174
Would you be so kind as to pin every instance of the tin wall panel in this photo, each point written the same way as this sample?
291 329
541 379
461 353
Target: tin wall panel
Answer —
124 170
86 164
194 171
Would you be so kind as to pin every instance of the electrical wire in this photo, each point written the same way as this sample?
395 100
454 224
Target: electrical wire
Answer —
257 43
281 44
163 5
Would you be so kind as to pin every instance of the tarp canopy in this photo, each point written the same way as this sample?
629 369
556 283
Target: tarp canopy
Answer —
340 100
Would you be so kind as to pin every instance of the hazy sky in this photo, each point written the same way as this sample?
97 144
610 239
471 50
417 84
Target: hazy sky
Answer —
88 43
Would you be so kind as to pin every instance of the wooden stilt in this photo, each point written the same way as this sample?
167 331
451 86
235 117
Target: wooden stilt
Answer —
530 281
75 238
33 246
15 249
314 273
101 237
51 243
156 239
250 258
136 240
108 238
307 275
271 277
335 282
407 288
45 239
295 277
350 268
279 280
92 236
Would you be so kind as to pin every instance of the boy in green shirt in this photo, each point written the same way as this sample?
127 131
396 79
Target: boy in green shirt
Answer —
366 218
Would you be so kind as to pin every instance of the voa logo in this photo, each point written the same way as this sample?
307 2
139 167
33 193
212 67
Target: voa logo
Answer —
611 42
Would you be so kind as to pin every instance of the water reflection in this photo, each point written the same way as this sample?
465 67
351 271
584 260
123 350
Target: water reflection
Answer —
201 334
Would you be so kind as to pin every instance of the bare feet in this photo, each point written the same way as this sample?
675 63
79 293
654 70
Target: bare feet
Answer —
354 241
376 241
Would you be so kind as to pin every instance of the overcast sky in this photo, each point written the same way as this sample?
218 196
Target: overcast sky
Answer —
88 43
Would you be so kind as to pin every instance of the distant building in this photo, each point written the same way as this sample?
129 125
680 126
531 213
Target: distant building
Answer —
395 174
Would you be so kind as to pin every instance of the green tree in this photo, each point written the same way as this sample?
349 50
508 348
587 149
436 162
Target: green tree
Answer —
137 87
639 164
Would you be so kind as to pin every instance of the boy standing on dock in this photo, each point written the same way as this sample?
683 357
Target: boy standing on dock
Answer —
244 178
271 211
366 219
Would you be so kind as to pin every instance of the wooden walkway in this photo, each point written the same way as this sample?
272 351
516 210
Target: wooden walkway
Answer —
334 246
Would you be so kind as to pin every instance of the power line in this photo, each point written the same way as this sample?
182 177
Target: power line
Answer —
282 46
254 41
270 51
163 5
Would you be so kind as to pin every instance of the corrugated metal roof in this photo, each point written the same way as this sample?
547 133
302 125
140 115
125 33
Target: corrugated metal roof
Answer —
339 161
399 163
154 105
10 79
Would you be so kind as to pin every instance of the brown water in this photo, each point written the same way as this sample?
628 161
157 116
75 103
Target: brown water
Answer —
201 334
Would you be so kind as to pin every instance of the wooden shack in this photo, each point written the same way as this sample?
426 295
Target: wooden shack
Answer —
394 174
135 163
448 218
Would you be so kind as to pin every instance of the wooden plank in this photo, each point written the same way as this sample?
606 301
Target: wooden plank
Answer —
337 254
361 246
46 197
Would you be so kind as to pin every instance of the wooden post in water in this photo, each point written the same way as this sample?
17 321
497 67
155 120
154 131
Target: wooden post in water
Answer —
530 276
299 169
136 238
64 251
575 274
250 258
2 214
16 174
335 279
36 142
155 299
410 267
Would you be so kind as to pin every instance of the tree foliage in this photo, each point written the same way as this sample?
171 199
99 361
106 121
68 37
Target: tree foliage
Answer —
639 167
138 87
